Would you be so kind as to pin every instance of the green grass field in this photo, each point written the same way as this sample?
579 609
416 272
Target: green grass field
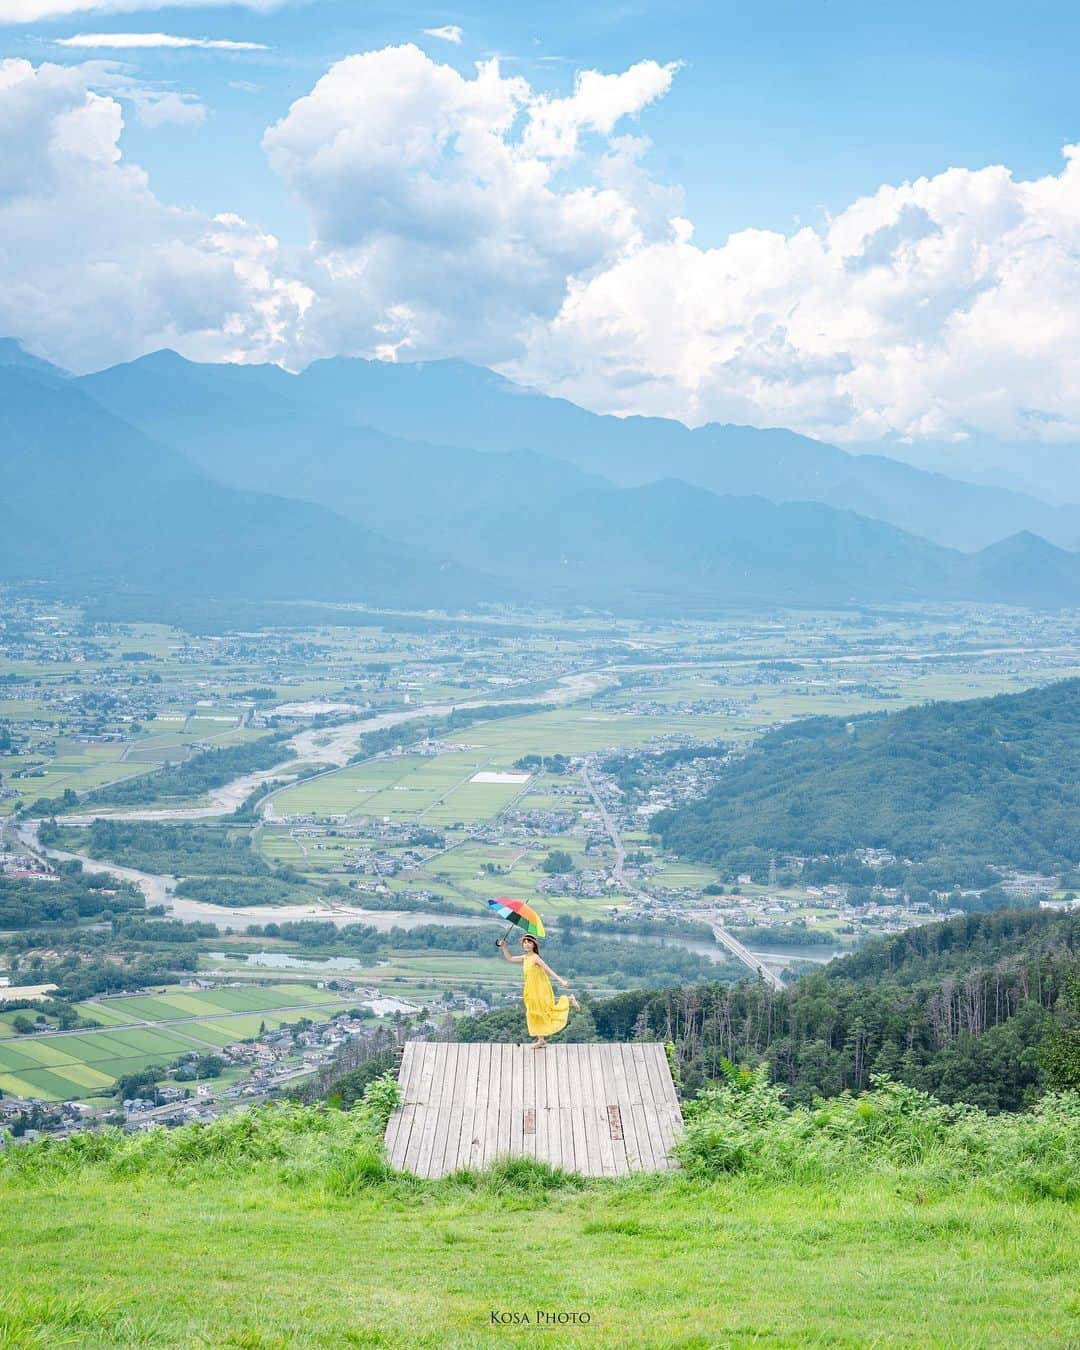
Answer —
653 1264
286 1228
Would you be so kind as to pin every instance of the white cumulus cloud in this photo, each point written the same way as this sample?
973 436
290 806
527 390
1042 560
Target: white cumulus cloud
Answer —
926 310
476 215
95 268
441 218
597 104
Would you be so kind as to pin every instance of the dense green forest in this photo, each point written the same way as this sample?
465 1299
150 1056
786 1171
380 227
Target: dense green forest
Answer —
73 896
197 775
181 849
237 891
967 1009
994 780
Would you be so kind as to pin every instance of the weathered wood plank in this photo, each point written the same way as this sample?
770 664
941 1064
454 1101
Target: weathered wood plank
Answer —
456 1112
421 1098
517 1102
405 1114
528 1098
503 1106
400 1123
648 1132
600 1109
536 1058
666 1107
551 1111
569 1150
599 1117
393 1125
656 1063
446 1110
588 1112
652 1125
580 1139
611 1089
491 1128
628 1094
481 1111
469 1150
433 1112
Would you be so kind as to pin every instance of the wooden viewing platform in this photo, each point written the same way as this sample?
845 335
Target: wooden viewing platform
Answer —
598 1109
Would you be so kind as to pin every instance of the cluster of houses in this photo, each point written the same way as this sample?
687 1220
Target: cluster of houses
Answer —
28 1120
26 867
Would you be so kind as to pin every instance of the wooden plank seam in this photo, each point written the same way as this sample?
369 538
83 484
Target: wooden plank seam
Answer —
599 1109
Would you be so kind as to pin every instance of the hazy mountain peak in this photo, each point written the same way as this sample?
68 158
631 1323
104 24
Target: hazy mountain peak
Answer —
13 353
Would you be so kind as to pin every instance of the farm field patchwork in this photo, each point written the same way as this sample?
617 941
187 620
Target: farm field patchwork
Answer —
74 1064
409 786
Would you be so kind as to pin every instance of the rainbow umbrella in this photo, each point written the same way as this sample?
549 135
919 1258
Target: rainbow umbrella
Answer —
517 915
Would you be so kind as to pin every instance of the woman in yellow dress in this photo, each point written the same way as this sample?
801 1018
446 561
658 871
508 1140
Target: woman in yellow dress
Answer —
544 1014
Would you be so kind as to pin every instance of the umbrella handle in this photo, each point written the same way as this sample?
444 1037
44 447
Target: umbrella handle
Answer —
509 929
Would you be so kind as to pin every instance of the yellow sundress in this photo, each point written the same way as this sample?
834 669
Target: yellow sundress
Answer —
544 1013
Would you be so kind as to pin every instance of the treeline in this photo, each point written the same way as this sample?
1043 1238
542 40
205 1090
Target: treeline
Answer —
77 980
74 896
152 846
196 776
575 955
797 934
236 891
993 780
971 1010
150 931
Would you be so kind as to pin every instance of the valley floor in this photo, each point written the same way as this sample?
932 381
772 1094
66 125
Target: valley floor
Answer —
654 1261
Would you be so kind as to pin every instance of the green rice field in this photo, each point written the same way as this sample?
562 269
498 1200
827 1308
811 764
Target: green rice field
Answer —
77 1064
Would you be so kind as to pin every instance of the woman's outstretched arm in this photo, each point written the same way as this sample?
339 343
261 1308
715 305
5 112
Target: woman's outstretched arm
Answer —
502 947
553 975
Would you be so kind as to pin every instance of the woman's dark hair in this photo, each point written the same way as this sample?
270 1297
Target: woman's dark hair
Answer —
528 937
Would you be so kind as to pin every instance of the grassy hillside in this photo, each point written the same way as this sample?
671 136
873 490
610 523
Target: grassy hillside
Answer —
985 780
884 1219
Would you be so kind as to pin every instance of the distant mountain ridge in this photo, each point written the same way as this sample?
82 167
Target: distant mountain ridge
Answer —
454 403
551 528
13 353
91 500
246 481
245 427
632 547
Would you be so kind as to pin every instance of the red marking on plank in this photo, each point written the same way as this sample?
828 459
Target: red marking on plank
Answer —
614 1122
530 1120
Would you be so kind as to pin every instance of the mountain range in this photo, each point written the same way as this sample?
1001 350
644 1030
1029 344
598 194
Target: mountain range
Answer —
442 485
92 501
454 404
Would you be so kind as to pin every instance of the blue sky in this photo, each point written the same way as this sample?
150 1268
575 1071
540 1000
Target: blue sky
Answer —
782 109
774 212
